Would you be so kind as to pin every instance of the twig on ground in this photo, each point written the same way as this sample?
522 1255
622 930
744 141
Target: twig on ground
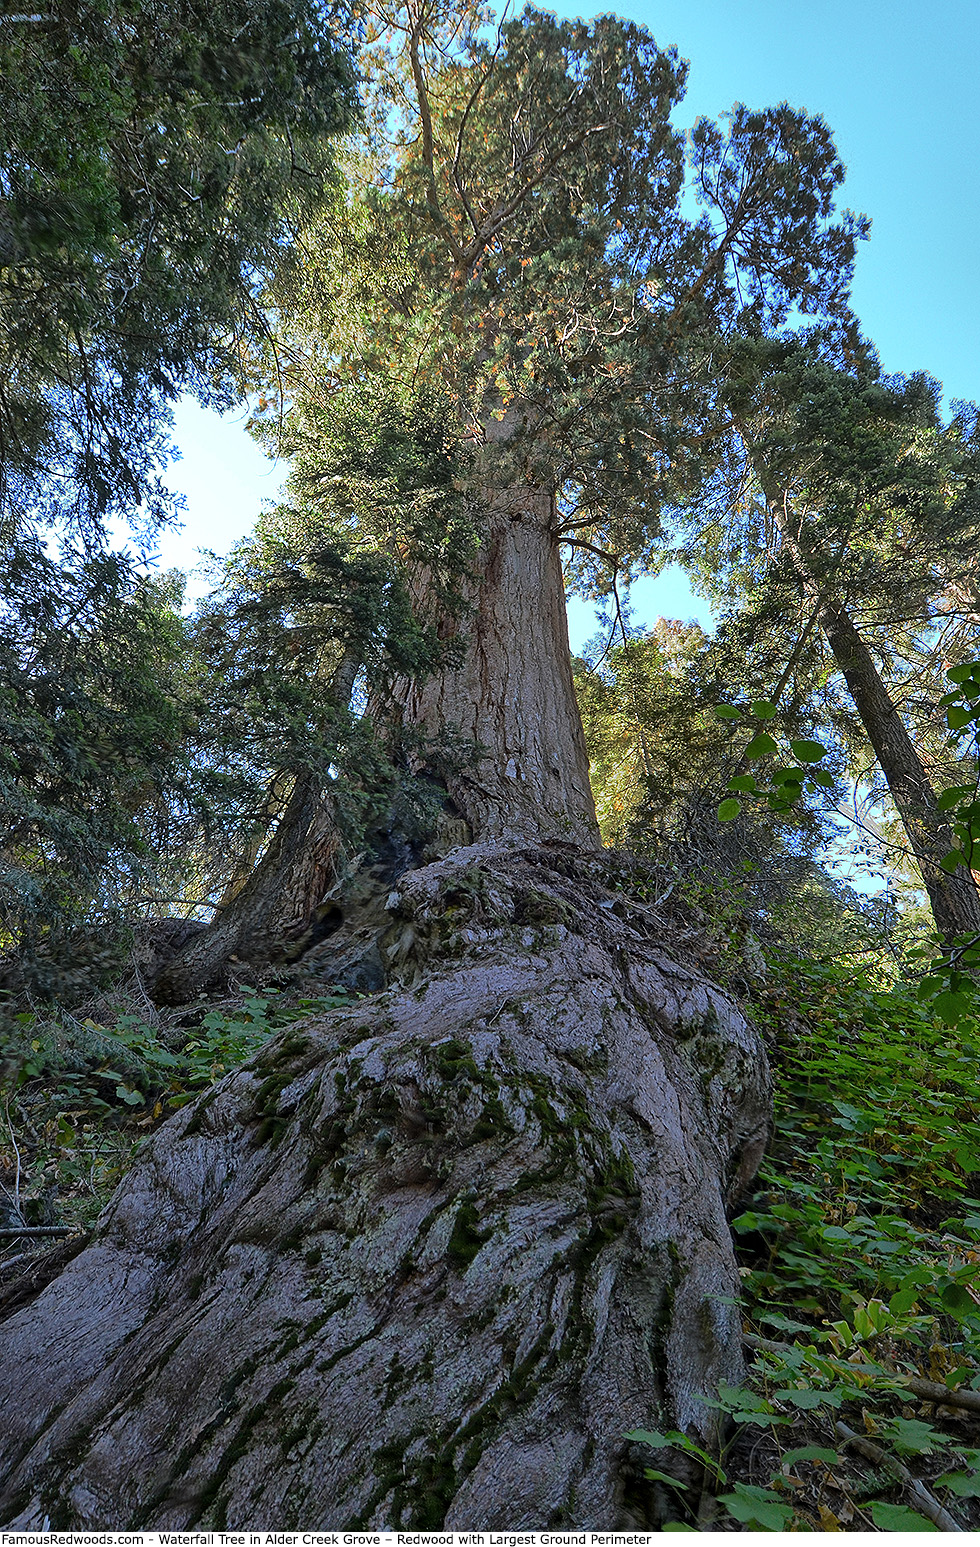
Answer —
925 1390
924 1500
20 1230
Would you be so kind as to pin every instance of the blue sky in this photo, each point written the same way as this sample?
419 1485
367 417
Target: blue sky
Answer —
898 83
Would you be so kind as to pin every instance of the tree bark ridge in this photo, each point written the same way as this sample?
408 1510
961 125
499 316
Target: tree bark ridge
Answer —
423 1263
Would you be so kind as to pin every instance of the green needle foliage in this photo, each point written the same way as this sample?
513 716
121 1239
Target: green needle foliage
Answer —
91 728
153 155
516 244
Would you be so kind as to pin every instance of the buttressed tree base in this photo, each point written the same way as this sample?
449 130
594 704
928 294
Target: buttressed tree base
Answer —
423 1263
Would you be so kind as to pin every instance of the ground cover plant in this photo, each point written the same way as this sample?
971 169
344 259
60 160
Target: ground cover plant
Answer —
83 1090
860 1260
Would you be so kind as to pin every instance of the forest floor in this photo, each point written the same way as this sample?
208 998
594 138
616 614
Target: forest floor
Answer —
859 1247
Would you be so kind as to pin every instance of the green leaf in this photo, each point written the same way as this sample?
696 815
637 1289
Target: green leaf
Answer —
776 1318
956 718
950 1007
822 777
898 1517
805 1397
731 1398
649 1437
757 1506
952 861
958 1301
954 795
743 782
761 745
958 1376
966 1485
902 1301
726 712
962 673
764 710
653 1476
808 751
788 776
728 810
811 1453
132 1098
676 1525
912 1437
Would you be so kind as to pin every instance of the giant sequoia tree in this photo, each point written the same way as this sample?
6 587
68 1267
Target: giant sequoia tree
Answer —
424 1263
519 252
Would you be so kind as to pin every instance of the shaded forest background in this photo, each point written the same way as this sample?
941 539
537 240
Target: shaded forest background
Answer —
405 240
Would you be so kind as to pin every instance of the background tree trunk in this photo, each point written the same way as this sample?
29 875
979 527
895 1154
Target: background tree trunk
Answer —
422 1263
275 902
954 899
300 866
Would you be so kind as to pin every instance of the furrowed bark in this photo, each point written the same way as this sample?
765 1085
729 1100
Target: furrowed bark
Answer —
423 1263
514 694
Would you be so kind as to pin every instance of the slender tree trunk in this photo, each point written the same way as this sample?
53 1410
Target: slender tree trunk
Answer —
514 693
954 898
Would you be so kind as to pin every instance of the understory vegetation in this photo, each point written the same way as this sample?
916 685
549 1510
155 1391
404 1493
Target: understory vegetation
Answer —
860 1258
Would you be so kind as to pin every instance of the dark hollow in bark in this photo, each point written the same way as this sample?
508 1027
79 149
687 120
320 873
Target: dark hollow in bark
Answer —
424 1262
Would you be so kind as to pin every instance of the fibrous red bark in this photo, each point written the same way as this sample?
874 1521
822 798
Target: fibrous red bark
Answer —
513 694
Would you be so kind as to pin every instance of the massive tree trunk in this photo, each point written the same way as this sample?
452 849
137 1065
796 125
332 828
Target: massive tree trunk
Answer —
514 693
422 1263
954 898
